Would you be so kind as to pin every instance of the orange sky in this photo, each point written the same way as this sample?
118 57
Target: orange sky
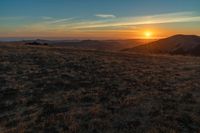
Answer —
98 19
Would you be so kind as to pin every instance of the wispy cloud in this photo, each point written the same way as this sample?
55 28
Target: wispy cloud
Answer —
105 15
142 20
59 20
73 25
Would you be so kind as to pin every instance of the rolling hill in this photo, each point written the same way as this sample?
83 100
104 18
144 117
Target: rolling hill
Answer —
105 45
177 44
102 45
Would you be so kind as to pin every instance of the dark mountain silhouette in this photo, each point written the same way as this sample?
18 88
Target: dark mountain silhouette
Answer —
102 45
36 43
108 45
97 45
177 44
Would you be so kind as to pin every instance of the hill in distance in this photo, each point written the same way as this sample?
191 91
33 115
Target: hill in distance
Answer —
103 45
177 44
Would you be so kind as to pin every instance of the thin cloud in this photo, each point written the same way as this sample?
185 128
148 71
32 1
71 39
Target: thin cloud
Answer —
142 20
119 23
72 25
59 20
105 15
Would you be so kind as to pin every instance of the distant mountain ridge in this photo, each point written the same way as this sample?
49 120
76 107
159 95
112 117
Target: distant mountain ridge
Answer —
110 45
177 44
107 45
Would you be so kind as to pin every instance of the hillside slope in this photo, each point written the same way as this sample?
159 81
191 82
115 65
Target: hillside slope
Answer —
55 89
178 44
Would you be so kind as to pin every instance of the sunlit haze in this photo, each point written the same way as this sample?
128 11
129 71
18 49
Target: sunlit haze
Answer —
148 34
95 19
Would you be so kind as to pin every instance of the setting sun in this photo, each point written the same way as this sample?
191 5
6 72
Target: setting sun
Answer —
148 34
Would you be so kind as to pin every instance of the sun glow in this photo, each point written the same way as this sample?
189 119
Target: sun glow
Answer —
148 34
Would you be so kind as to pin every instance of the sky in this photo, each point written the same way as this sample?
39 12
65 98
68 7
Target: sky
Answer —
98 19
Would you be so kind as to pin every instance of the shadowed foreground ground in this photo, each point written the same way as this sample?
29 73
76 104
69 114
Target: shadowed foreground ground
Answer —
47 89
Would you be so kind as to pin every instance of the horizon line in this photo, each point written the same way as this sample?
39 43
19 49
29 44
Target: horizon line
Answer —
10 39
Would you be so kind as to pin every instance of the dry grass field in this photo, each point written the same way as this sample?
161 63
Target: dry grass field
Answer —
55 89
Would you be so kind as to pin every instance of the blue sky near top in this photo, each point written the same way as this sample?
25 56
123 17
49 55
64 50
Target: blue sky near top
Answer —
84 18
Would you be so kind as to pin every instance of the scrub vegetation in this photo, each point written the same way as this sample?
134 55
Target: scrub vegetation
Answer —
56 89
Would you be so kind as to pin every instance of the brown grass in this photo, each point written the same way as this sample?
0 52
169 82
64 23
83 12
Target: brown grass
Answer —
54 89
